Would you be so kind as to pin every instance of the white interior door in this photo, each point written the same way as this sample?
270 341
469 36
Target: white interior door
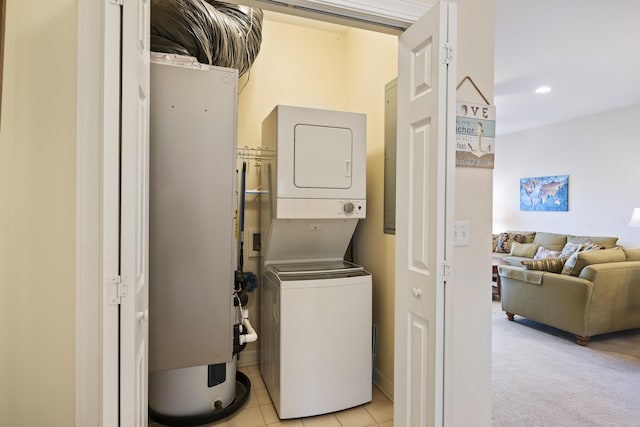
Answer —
426 95
111 213
134 264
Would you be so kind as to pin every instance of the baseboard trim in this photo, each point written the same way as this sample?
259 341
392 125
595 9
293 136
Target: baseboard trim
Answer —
384 384
248 358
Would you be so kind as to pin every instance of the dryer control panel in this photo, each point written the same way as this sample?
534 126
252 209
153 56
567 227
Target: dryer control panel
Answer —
352 208
321 208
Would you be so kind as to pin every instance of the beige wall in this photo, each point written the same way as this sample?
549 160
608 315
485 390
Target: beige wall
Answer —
7 144
349 71
344 70
296 66
372 63
37 219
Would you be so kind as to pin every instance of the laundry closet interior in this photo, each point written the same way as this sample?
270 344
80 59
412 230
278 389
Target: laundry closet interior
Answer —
311 66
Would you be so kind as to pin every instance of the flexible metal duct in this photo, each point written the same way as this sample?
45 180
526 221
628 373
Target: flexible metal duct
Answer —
214 32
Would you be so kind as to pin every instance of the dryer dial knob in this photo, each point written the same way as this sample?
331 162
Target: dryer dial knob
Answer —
348 207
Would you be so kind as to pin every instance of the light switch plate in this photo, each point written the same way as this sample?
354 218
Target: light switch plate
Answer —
461 233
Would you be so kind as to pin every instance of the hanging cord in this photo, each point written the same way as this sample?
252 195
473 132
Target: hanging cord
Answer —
475 86
247 332
235 295
242 212
240 278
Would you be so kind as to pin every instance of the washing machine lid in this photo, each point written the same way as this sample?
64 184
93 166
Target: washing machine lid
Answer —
314 267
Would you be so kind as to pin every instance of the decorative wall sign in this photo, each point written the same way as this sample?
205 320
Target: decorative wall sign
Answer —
544 193
475 135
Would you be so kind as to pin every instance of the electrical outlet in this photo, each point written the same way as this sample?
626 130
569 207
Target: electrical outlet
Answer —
254 240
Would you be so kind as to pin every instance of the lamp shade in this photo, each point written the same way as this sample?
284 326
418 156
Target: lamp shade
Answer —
635 218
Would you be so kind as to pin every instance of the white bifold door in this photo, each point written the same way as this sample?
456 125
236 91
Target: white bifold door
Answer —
134 233
425 150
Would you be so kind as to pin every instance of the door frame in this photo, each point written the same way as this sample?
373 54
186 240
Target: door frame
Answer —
92 356
97 213
96 399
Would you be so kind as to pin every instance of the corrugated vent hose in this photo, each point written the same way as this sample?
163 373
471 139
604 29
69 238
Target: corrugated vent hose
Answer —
215 33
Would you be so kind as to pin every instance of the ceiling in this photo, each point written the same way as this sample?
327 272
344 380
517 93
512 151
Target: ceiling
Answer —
587 51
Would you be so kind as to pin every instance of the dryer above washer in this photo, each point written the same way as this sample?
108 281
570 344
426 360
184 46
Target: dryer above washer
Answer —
318 168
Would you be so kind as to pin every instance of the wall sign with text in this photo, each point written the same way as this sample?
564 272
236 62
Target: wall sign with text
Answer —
475 135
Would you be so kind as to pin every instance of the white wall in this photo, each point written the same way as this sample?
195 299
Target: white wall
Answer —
468 292
600 153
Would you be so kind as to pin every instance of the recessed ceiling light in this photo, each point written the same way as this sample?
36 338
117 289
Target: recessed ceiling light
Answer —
543 89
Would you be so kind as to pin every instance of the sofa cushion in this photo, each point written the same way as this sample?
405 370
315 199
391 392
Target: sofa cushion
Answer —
515 261
551 241
632 254
525 250
553 265
528 276
494 242
579 260
607 241
506 239
569 249
528 235
543 253
591 246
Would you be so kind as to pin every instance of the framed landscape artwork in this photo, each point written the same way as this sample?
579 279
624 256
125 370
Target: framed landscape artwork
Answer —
544 193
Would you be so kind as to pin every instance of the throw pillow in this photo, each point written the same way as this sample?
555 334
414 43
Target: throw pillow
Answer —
528 235
524 250
570 249
543 253
581 259
606 241
590 246
506 239
494 242
552 265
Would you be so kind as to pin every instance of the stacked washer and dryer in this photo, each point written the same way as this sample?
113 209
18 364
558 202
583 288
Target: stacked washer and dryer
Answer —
316 347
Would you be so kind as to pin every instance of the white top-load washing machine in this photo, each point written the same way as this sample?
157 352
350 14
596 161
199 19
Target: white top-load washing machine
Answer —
315 355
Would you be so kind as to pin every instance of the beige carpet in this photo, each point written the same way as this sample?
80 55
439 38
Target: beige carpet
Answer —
541 377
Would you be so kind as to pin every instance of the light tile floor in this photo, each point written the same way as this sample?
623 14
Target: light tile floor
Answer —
259 411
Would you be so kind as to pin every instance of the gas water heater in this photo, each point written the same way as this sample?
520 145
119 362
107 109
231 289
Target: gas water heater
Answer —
192 248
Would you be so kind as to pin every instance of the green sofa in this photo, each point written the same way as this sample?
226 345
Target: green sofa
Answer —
512 246
600 295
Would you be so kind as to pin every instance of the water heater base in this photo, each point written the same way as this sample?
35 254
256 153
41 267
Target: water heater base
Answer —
243 387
